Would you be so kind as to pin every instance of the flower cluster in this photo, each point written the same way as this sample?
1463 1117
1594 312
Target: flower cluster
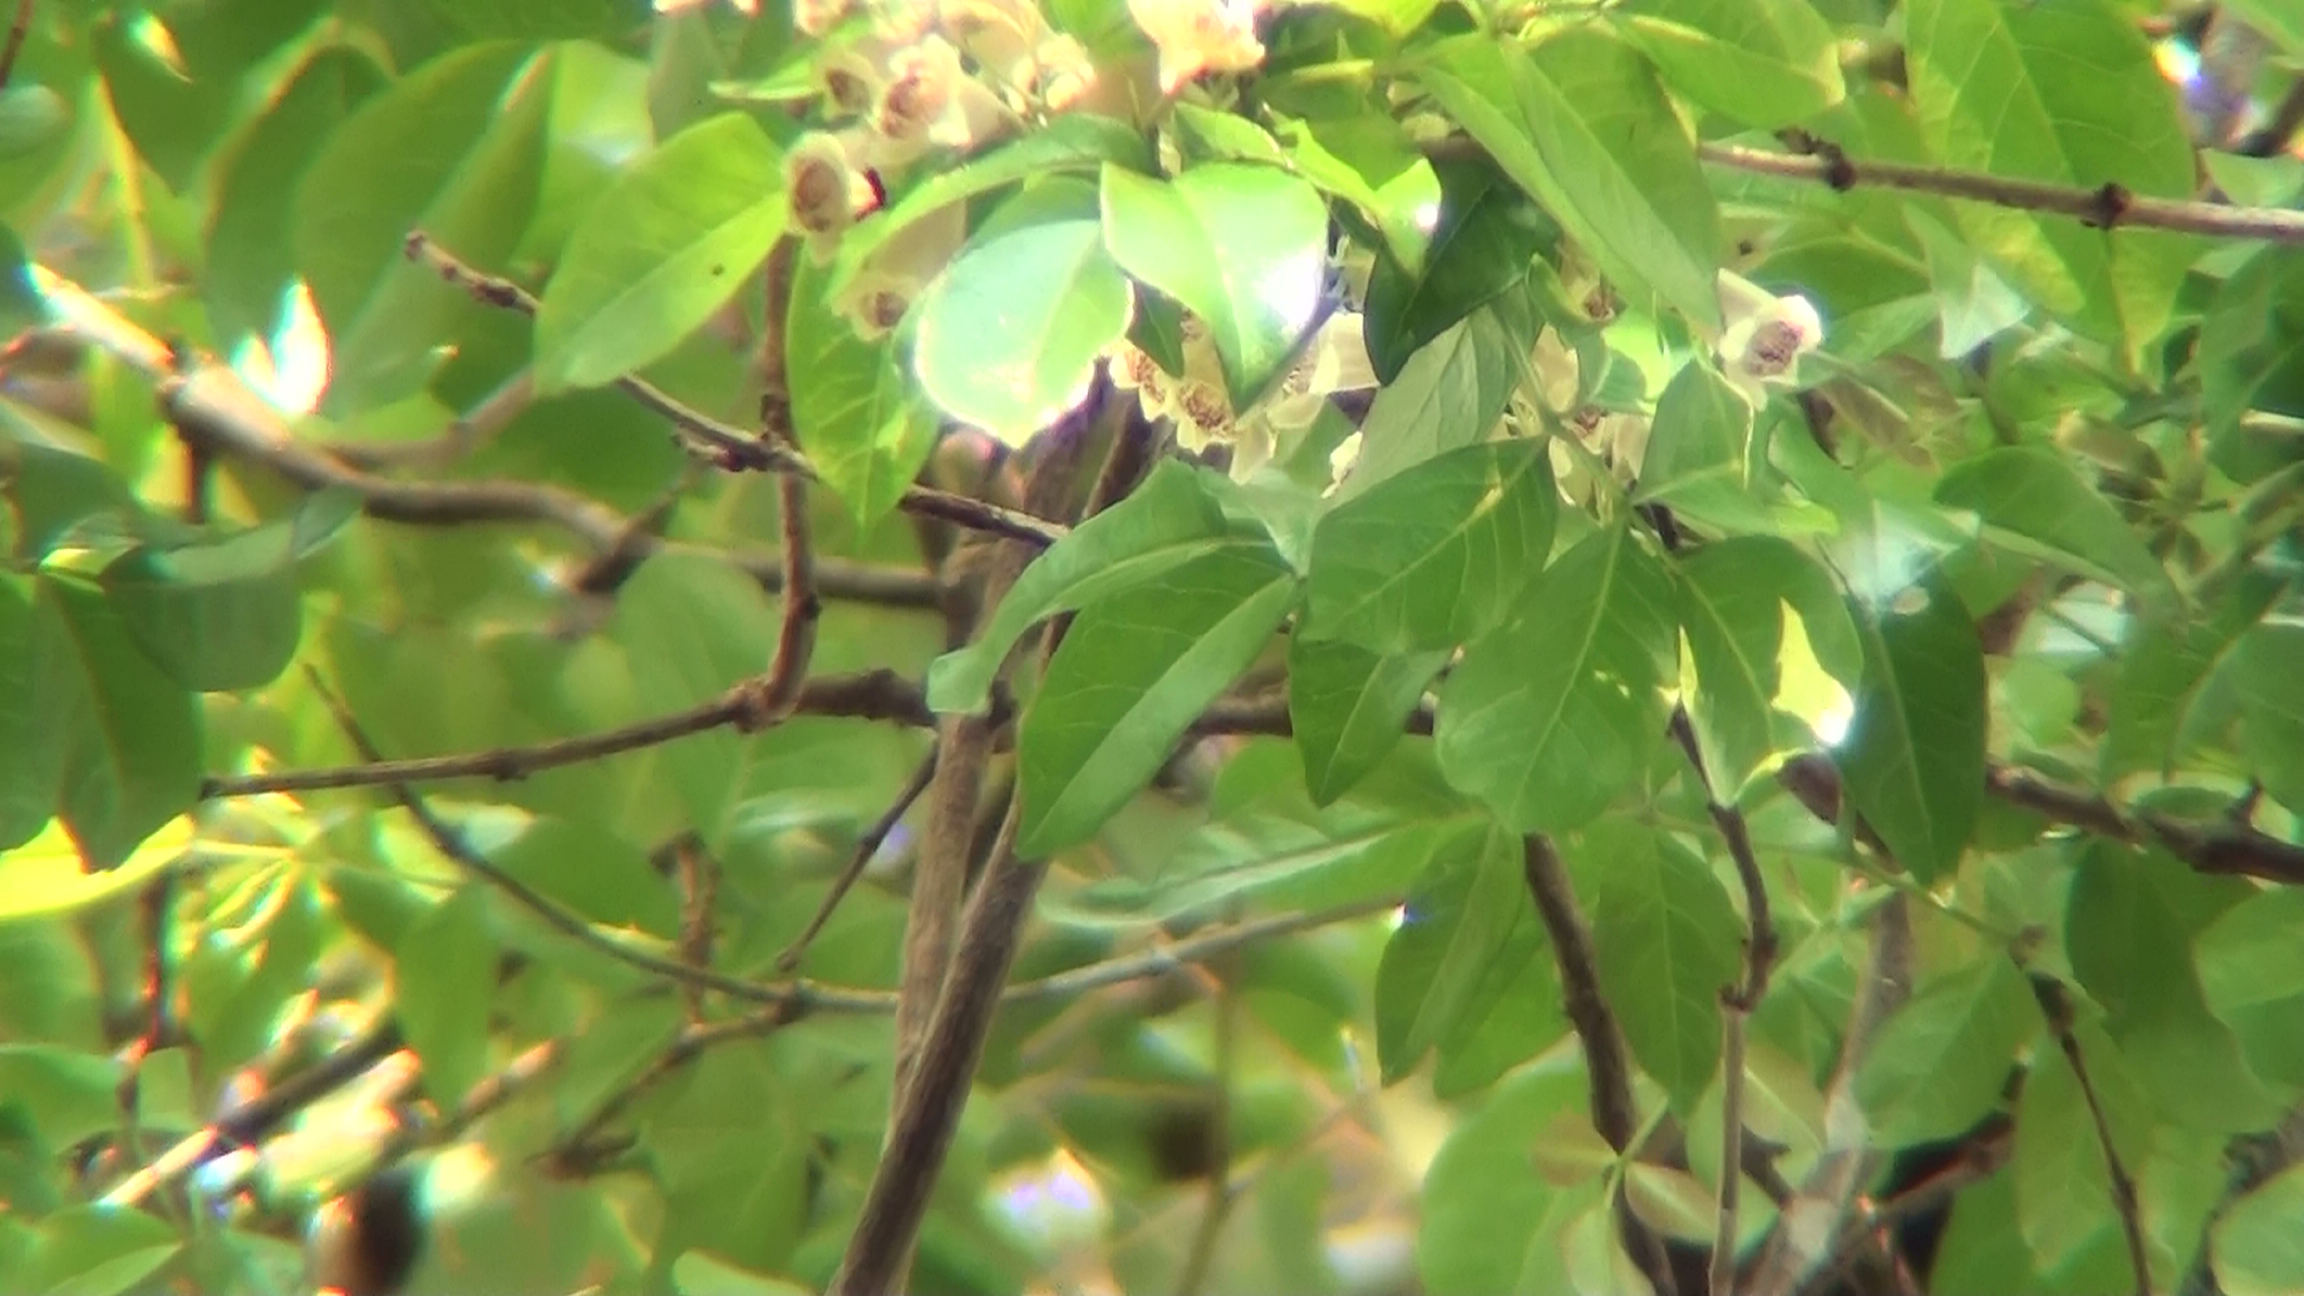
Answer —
1196 36
1203 410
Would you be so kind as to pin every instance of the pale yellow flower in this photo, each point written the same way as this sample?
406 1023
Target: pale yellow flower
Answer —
1341 461
826 189
929 98
1558 371
1196 36
1764 336
816 17
877 295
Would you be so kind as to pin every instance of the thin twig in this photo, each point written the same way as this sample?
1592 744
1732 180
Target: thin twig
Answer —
249 1121
1213 1213
1809 1223
1736 1003
579 1149
208 401
18 30
866 695
867 846
724 443
2105 207
2056 1005
1608 1071
699 876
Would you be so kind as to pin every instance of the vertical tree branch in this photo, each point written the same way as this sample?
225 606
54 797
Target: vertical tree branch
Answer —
1809 1223
1736 1003
932 1090
1608 1069
963 747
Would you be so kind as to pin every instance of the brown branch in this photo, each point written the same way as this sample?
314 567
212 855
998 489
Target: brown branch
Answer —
727 446
699 876
1813 1218
2225 847
1608 1071
866 695
2104 207
2056 1005
18 30
963 749
471 430
250 1120
2272 138
931 1092
581 1149
867 846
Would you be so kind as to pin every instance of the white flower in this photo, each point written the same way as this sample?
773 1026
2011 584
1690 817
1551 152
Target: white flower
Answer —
1196 36
1558 371
1764 336
816 17
929 97
884 287
826 189
1341 461
1336 360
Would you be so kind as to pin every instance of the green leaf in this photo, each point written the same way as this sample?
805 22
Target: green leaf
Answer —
2251 349
2254 983
46 877
172 118
2270 686
2063 1186
1553 714
1732 598
1134 671
853 406
1007 337
2129 923
1490 1226
67 1095
1695 463
28 753
670 242
1072 142
697 1273
444 976
130 735
691 626
455 149
1913 759
1243 247
603 878
2258 1250
2067 94
1171 520
1368 160
100 1250
1449 394
1940 1063
2174 687
1667 939
251 256
1488 236
1766 63
1435 555
1467 934
31 118
1346 707
224 615
2035 493
1582 125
